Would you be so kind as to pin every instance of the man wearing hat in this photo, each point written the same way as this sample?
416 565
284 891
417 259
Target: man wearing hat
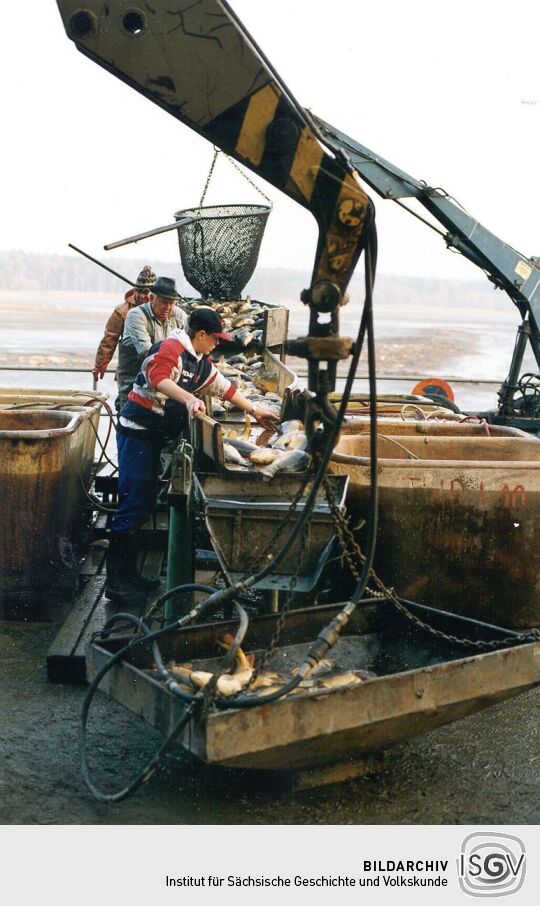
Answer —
114 327
145 325
168 388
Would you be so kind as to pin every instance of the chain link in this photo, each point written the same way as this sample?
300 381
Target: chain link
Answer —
248 179
350 547
240 170
208 178
276 635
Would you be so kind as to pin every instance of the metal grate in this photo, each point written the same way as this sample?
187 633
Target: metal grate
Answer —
220 248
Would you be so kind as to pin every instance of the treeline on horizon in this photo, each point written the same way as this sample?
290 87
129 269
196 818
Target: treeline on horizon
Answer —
34 272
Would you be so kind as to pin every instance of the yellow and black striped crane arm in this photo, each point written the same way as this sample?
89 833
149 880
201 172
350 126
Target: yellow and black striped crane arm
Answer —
196 60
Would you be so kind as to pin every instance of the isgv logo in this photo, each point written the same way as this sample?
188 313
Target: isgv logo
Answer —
491 865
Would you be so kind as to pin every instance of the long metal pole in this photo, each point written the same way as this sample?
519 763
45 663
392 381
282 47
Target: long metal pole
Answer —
104 266
155 232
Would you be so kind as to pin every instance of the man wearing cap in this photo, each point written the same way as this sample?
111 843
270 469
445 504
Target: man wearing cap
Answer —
114 327
145 325
167 389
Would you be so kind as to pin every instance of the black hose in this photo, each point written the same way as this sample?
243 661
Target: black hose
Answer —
330 634
193 701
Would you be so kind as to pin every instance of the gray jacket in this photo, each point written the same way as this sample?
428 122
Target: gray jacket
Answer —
142 329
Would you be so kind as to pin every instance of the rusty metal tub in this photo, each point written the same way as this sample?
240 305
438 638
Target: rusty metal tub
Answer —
448 427
88 403
46 458
458 520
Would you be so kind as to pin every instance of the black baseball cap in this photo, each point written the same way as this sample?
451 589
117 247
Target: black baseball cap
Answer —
208 320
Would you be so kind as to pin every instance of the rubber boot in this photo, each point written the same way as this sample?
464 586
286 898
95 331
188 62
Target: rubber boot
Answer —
141 582
120 586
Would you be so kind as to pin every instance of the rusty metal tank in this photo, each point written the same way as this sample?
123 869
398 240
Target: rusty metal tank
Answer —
458 520
46 459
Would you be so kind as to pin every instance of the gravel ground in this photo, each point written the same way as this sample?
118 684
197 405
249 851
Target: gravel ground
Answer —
481 770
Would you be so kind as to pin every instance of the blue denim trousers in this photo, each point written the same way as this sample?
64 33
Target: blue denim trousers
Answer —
139 465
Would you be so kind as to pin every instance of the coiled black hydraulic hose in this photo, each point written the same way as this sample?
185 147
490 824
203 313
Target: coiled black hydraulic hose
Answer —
193 701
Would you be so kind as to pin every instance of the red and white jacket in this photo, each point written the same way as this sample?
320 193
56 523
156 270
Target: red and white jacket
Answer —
175 359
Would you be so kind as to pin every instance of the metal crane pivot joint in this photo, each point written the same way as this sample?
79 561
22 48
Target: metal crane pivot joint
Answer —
324 296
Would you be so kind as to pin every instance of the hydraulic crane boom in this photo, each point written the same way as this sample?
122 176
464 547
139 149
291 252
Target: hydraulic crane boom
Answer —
509 270
196 60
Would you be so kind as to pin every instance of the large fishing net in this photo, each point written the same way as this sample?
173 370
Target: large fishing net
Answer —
220 248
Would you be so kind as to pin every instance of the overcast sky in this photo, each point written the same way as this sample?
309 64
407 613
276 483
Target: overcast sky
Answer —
448 92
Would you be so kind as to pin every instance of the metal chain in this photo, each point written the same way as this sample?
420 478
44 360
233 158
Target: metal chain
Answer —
348 544
209 177
267 551
211 689
248 179
276 635
240 170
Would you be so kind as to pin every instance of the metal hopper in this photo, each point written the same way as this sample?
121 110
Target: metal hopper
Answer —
243 514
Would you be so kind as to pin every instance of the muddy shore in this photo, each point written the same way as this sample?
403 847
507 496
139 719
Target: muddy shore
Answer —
423 352
480 770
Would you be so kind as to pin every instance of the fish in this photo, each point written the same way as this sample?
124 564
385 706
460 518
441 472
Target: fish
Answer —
294 424
232 685
200 678
246 433
294 440
232 455
325 665
293 461
266 382
242 321
180 671
242 661
339 680
244 447
263 456
226 684
243 336
239 359
265 436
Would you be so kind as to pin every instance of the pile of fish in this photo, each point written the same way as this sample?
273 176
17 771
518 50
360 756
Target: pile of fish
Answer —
324 676
284 450
253 382
242 318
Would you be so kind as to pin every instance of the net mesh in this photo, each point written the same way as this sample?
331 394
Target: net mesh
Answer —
220 248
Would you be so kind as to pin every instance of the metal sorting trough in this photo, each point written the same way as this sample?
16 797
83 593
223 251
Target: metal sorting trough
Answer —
455 514
46 456
243 514
275 371
421 683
